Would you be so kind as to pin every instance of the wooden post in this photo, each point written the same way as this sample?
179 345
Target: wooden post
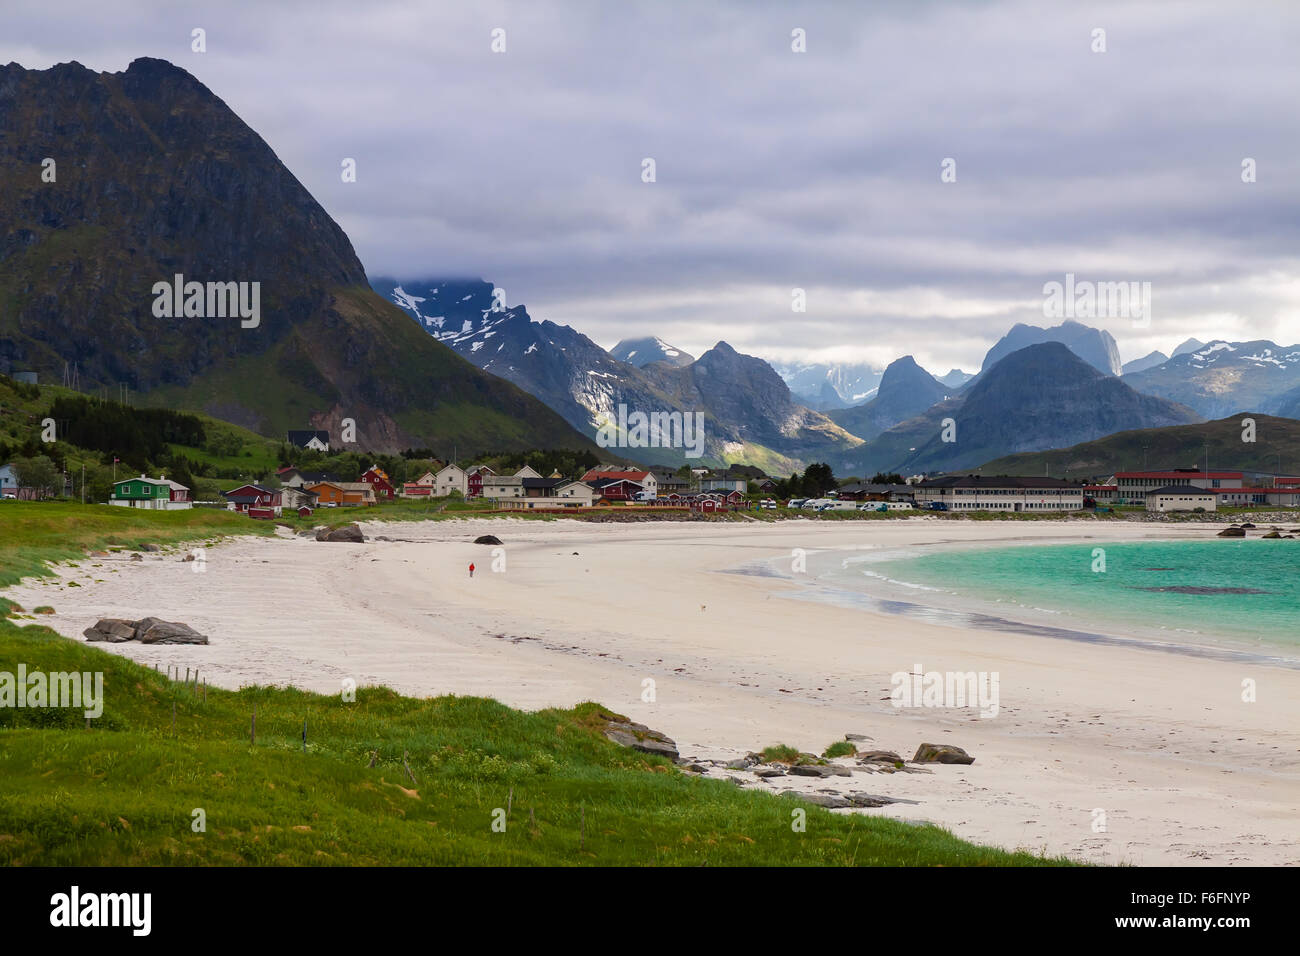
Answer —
187 676
205 691
304 735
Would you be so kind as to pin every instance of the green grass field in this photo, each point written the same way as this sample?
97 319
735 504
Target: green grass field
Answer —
126 788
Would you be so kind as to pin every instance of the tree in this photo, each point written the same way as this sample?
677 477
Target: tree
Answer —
880 478
39 474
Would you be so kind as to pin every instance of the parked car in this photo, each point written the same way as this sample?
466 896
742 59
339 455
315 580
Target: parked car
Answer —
795 502
937 506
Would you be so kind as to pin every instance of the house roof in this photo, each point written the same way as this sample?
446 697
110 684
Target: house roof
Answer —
1185 490
316 477
235 494
1163 475
544 482
994 481
627 473
154 481
602 483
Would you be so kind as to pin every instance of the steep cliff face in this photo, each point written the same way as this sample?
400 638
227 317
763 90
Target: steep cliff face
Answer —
1095 346
154 176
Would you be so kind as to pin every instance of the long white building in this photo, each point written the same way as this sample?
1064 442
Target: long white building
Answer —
999 493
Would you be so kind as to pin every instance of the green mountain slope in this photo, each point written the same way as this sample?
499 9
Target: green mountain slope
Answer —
1276 448
154 177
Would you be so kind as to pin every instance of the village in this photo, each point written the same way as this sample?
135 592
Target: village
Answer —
703 491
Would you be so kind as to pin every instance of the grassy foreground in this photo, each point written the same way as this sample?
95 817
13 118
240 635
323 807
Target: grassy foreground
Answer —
126 789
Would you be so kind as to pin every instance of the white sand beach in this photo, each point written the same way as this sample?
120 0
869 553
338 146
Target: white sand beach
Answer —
1185 772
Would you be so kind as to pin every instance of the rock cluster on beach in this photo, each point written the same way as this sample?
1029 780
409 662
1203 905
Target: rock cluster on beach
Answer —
805 767
148 630
1239 531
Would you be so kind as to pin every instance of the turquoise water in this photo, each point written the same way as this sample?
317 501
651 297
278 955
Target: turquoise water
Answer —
1231 591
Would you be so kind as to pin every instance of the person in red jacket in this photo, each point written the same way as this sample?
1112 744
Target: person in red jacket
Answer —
471 569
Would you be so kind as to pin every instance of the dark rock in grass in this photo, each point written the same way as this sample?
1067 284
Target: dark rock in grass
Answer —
487 539
639 737
1232 533
150 547
114 630
941 753
351 533
137 557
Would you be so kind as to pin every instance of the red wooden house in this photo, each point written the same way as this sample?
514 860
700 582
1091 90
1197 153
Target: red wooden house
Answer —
474 480
378 480
253 500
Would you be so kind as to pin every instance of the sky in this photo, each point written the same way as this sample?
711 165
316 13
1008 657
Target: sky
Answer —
774 170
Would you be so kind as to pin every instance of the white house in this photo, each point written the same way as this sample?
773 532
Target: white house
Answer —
450 478
8 481
562 494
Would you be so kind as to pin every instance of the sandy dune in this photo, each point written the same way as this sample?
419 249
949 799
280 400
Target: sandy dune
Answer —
1185 772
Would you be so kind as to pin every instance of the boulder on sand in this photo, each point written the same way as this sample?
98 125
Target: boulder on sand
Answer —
349 532
114 630
487 539
1233 532
149 630
941 753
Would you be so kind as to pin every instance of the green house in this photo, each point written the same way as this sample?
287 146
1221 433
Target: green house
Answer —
145 492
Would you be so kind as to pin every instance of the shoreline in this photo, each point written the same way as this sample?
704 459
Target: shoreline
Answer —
1189 774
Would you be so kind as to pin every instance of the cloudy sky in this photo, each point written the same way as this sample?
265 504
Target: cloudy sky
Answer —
775 169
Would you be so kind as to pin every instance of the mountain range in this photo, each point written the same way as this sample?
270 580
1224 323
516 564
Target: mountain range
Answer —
1223 378
827 385
906 390
1041 396
749 414
158 180
153 177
